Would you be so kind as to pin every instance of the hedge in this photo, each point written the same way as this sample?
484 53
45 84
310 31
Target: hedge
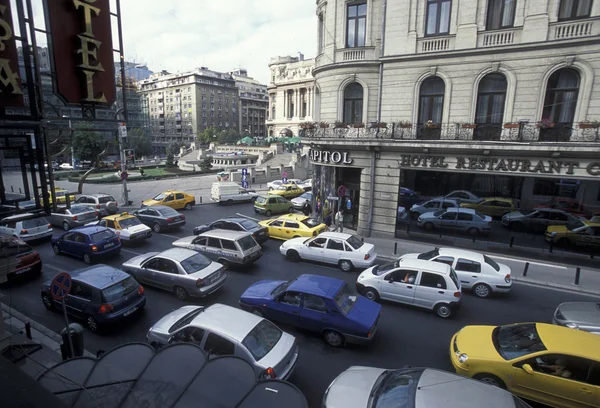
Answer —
145 178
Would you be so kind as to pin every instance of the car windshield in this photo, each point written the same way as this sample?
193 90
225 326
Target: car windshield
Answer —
381 269
262 339
129 222
78 209
261 200
186 319
36 222
529 212
160 197
249 225
428 255
168 212
60 193
306 196
355 242
104 200
282 187
517 340
311 222
574 224
395 388
120 289
102 236
280 289
247 243
345 299
195 263
491 262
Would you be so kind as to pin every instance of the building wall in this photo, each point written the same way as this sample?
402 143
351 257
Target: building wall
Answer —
254 103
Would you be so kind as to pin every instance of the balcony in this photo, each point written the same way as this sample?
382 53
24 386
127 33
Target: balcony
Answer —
436 44
573 29
355 54
499 38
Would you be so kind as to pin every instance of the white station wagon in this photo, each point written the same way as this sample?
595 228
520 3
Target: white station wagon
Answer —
344 250
476 271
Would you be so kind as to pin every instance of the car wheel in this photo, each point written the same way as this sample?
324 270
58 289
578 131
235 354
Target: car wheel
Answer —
491 380
91 323
482 290
372 294
258 312
47 302
188 206
229 202
87 259
291 210
180 293
66 226
292 255
268 213
225 263
443 310
56 249
428 226
414 215
563 242
156 227
345 265
333 338
473 232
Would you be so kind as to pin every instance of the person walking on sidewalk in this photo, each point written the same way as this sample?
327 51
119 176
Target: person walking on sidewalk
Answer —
307 209
339 221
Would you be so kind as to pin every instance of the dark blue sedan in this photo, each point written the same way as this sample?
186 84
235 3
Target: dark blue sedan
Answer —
317 303
99 295
88 243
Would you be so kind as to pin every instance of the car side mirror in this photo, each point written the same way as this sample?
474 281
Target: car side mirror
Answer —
527 368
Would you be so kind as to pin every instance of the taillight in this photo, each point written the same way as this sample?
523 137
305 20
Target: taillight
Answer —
105 308
23 232
367 256
49 225
169 219
270 373
97 205
141 290
74 218
94 248
199 283
456 294
507 278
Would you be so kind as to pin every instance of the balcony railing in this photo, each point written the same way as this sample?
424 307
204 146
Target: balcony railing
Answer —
355 54
499 38
573 29
436 44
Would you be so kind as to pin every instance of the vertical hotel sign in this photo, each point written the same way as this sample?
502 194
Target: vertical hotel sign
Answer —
10 83
81 43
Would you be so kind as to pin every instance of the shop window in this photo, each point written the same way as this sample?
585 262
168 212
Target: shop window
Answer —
555 188
560 102
489 115
501 14
438 17
356 25
353 103
574 9
431 106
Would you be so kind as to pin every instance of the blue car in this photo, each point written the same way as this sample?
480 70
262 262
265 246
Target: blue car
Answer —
88 243
100 295
317 303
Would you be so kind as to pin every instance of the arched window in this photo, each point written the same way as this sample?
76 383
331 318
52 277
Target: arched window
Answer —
353 103
431 100
561 96
489 114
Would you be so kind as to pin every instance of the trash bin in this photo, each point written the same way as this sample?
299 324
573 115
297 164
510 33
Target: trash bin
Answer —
77 339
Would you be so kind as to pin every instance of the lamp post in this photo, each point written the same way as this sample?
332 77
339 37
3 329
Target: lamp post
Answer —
72 148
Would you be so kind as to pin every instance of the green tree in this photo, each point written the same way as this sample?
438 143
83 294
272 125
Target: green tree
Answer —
139 141
206 163
228 136
206 136
87 143
172 150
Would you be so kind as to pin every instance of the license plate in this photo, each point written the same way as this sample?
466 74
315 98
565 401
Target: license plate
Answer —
109 244
130 311
22 271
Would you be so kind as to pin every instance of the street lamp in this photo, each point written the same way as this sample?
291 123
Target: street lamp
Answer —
72 148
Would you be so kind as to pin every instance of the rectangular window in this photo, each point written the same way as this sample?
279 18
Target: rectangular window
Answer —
574 9
356 25
501 14
320 34
438 17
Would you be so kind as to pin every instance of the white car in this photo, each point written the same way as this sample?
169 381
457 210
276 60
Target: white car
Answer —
306 184
129 229
26 227
477 272
463 196
274 185
66 166
344 250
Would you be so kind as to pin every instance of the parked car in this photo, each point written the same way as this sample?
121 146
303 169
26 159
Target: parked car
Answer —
463 196
477 272
365 387
430 285
171 198
100 295
88 243
536 220
432 206
27 226
229 192
578 315
160 217
293 226
288 191
578 233
316 303
229 248
272 204
259 233
544 363
65 166
105 204
300 201
181 271
306 184
493 206
61 196
347 251
76 216
457 219
18 259
570 205
222 330
128 227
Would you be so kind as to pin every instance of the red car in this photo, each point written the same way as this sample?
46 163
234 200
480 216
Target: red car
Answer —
19 258
569 205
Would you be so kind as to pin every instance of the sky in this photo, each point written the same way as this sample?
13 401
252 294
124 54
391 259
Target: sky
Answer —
223 35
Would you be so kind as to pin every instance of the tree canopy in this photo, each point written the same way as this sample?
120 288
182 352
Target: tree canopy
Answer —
87 143
139 141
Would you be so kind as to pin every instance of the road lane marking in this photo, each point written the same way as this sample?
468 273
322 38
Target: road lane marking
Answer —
55 268
530 262
564 290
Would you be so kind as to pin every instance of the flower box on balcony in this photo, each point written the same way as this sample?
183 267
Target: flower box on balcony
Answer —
405 125
432 126
589 125
323 125
340 125
468 126
382 125
358 126
544 125
512 125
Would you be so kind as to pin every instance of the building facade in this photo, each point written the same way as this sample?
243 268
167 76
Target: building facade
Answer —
254 104
291 94
500 98
181 105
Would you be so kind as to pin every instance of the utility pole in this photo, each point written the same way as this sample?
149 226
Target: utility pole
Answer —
72 148
125 113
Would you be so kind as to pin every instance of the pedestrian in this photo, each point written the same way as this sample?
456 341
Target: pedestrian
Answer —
318 206
339 221
328 220
307 209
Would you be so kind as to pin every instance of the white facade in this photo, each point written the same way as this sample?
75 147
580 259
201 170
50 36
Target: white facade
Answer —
291 94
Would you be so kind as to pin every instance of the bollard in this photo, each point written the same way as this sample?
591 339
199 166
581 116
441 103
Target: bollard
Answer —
12 189
473 238
200 199
550 249
526 269
577 275
28 330
512 240
408 228
395 248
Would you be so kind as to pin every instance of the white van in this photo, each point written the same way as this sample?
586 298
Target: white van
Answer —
229 192
431 285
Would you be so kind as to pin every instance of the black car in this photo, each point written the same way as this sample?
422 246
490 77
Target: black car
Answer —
99 295
260 233
160 217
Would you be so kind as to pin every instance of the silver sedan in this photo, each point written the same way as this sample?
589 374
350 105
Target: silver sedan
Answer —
76 216
181 271
579 315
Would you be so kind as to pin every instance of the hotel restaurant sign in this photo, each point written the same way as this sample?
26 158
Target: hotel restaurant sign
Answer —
81 49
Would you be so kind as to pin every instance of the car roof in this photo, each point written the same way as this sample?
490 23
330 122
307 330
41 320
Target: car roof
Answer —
564 340
506 200
289 185
173 191
159 207
116 217
318 285
438 267
230 321
225 234
97 195
22 217
460 209
270 195
294 217
177 254
89 229
460 253
237 219
338 235
450 200
99 276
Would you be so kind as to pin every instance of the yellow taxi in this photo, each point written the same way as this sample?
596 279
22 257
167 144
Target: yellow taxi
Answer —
61 196
493 206
578 233
293 226
553 365
172 198
290 190
128 227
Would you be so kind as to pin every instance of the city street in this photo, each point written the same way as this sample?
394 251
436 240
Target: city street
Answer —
405 336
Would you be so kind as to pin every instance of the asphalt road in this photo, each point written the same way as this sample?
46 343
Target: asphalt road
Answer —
406 336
